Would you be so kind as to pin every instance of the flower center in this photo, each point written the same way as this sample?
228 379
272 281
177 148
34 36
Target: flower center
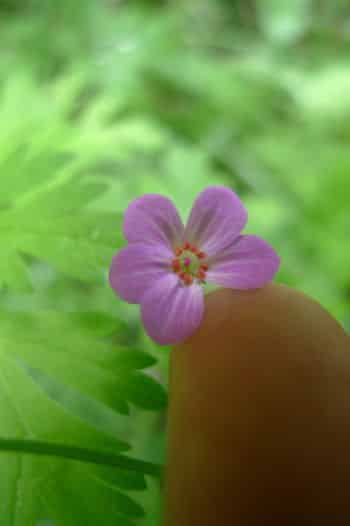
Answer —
189 264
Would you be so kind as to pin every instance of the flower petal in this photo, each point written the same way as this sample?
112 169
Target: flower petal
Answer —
171 311
153 218
248 263
135 268
216 219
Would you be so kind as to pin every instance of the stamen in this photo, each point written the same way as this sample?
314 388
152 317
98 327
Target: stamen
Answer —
201 274
189 268
188 279
176 265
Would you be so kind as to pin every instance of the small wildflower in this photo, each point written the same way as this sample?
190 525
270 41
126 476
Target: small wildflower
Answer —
166 263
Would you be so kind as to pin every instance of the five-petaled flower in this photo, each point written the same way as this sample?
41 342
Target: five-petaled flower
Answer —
165 263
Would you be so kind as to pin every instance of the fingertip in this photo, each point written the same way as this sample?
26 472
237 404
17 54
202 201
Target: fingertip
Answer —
259 398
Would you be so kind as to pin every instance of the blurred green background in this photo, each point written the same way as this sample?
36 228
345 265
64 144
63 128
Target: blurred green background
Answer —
169 97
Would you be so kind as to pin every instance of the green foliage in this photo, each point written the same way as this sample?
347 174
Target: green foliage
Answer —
65 377
100 103
62 384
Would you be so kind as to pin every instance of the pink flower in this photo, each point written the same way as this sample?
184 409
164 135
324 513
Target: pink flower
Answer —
165 264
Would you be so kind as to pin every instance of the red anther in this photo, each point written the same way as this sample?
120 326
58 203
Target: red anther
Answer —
201 255
183 275
193 249
187 245
201 274
204 267
178 251
176 265
188 279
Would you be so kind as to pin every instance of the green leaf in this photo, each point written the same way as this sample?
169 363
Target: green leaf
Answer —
62 389
145 392
132 359
105 372
79 245
49 179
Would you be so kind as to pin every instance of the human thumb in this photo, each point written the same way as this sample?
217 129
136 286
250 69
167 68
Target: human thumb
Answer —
259 416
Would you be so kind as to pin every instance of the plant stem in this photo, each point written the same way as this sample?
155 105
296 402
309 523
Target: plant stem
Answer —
92 456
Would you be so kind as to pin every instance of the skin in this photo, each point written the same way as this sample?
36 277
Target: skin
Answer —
259 416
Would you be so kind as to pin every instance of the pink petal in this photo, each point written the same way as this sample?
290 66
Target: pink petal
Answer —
248 263
171 311
216 219
153 218
136 267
